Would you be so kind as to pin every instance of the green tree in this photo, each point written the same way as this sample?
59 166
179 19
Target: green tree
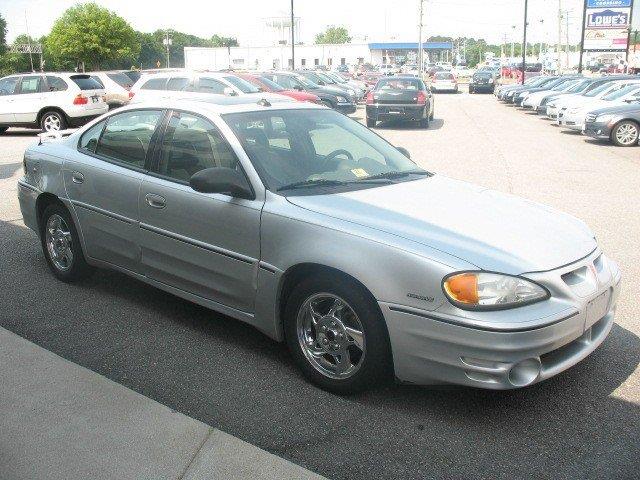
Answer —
94 35
218 41
3 35
333 35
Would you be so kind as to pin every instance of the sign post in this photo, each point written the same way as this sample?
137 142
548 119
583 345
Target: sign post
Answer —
606 25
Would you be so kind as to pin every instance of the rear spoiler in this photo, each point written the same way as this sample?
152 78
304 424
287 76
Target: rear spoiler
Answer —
48 137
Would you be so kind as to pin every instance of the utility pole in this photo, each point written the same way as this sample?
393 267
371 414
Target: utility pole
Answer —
559 50
167 43
293 43
420 49
566 49
26 25
584 22
524 40
541 38
513 33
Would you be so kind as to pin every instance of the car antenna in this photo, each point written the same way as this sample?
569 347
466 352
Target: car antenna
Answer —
264 102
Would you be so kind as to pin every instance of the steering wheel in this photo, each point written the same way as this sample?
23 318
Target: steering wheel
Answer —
335 153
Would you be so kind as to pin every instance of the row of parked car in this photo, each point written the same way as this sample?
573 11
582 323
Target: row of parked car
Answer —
606 107
56 101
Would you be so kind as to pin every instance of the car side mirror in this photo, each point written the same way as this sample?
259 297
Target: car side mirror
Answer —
321 82
229 92
221 180
298 88
404 151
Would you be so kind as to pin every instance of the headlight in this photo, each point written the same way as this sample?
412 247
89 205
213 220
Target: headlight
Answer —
604 118
491 80
491 291
341 99
574 110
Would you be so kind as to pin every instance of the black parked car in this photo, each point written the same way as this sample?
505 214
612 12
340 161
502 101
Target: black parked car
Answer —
619 124
482 81
406 98
329 96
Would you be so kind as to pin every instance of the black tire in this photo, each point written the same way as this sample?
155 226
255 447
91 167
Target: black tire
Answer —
55 117
432 114
632 139
3 129
424 123
371 123
377 365
79 268
471 90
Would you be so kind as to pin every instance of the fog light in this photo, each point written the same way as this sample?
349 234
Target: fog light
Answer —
525 372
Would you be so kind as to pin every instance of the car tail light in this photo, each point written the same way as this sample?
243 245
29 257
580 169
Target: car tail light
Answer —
369 99
422 98
80 100
131 94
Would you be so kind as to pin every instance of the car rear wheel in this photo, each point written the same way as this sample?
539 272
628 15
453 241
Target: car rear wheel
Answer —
3 129
61 244
371 123
625 133
337 335
52 121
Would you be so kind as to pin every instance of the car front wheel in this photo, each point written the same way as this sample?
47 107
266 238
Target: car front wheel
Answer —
625 133
61 244
337 335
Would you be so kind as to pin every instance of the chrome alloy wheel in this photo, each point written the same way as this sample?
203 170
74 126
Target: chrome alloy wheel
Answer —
627 134
59 242
331 335
51 123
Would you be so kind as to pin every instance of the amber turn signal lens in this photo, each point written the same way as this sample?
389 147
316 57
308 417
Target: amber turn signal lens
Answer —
463 288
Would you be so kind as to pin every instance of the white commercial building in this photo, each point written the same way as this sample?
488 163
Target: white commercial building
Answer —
306 56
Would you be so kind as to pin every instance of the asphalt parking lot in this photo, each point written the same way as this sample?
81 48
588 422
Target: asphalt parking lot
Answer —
583 423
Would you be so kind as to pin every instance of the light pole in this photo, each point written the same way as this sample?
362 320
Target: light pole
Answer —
524 40
167 42
513 33
420 49
293 43
541 38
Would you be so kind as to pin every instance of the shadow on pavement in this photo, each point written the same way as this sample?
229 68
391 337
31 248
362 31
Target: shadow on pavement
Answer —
435 124
8 169
20 133
229 375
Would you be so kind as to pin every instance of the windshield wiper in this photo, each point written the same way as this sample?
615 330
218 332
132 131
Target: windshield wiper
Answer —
323 182
396 174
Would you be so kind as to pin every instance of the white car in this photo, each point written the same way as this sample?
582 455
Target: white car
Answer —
117 87
532 101
574 118
189 83
444 82
561 105
388 69
49 101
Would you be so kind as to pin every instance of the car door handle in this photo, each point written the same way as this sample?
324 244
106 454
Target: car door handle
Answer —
77 177
155 201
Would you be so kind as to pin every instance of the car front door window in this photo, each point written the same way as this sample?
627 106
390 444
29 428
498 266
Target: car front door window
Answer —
209 85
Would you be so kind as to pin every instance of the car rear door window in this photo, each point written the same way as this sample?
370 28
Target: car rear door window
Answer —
121 79
155 84
97 80
8 85
127 136
56 84
177 83
191 144
30 84
209 85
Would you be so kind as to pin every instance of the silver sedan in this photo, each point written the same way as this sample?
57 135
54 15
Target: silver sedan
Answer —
310 227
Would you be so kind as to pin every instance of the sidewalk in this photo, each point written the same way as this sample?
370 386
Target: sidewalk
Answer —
61 421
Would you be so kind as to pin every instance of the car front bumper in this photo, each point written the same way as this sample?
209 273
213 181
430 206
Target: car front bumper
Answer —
433 348
401 111
597 130
482 87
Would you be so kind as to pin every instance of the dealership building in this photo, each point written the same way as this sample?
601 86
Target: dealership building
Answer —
311 56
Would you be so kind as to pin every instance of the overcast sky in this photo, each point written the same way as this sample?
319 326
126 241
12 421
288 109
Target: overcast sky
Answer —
374 19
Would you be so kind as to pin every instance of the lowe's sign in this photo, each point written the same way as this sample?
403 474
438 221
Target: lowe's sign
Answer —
608 18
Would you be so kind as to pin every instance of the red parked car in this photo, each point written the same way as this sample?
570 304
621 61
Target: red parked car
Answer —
267 85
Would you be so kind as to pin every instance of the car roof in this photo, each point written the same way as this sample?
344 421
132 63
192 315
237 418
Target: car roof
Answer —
221 104
189 73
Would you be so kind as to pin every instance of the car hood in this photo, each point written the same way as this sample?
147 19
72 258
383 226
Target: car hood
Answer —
492 230
624 109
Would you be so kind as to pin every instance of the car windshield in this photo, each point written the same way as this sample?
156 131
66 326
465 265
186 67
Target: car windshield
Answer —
243 85
121 79
564 86
621 92
399 84
444 76
317 147
579 86
312 77
597 91
483 74
273 86
305 82
326 78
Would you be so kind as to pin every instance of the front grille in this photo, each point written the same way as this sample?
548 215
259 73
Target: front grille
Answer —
591 117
